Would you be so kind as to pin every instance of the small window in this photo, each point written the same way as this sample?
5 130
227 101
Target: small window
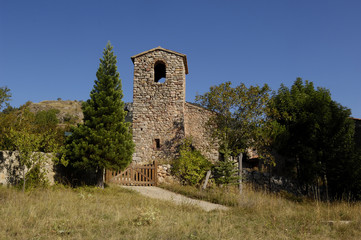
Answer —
157 144
159 72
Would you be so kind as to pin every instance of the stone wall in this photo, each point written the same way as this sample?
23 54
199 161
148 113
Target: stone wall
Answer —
263 181
10 172
258 180
165 174
195 121
158 108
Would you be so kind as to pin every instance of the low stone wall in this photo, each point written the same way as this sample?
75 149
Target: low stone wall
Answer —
260 180
11 173
164 174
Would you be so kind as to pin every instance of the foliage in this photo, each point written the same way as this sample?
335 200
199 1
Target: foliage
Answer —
7 121
225 171
104 141
4 96
46 123
27 144
191 166
9 109
47 118
35 177
70 119
241 118
240 123
20 132
42 123
317 136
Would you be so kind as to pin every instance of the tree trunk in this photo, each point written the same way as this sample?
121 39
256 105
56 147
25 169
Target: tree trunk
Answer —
100 178
326 185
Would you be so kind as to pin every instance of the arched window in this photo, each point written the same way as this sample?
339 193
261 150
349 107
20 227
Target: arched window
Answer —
159 72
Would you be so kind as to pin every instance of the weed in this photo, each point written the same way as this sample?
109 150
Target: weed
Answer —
146 216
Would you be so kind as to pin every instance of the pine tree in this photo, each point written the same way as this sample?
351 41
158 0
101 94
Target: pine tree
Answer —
104 141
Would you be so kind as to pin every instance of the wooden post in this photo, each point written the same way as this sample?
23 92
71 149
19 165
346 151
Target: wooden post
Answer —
240 157
104 171
206 181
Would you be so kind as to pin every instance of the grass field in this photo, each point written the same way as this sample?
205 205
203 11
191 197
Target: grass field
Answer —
116 213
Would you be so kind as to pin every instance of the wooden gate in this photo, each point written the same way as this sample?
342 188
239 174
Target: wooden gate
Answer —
134 175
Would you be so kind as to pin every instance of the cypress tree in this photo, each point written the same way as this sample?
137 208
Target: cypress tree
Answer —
104 140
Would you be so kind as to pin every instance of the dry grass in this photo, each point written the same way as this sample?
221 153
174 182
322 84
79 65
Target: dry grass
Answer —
116 213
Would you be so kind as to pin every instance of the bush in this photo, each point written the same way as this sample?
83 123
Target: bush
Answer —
47 118
35 178
191 166
225 171
68 118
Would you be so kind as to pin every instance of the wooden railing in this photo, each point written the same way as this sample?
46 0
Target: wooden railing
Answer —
134 175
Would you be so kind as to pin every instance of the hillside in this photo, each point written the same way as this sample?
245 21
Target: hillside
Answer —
69 111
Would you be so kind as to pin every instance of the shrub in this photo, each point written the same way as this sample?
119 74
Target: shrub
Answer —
191 166
225 171
35 178
47 118
68 118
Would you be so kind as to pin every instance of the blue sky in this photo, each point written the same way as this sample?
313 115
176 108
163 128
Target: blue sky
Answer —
51 49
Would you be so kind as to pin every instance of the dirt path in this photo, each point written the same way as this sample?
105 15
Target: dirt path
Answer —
159 193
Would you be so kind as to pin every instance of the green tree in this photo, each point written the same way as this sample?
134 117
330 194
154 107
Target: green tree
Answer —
28 145
241 123
104 141
317 136
241 113
225 171
19 133
4 96
43 123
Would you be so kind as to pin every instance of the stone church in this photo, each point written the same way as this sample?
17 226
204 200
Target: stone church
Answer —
161 117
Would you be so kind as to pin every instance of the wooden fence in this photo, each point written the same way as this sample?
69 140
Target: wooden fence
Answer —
134 175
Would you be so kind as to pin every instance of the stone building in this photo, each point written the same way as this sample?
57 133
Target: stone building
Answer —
161 117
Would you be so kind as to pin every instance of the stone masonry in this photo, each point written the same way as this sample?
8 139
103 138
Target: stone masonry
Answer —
161 117
11 173
195 121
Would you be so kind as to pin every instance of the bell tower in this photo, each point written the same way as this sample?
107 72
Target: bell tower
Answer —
158 103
